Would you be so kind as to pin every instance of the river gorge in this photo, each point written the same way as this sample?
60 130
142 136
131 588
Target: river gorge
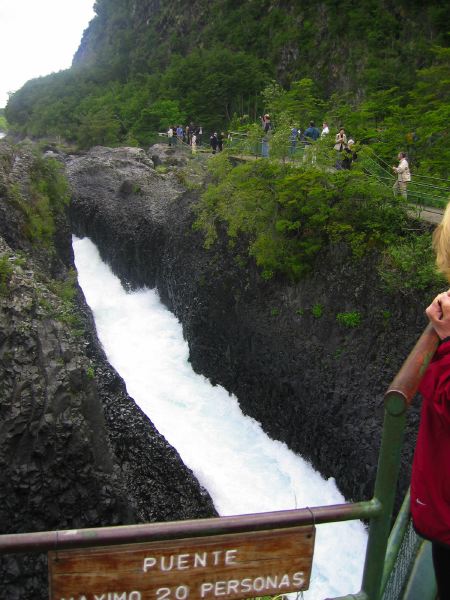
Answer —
315 387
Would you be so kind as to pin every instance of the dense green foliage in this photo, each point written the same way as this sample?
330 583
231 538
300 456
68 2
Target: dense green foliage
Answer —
73 105
6 271
287 215
48 195
408 265
381 69
349 319
344 46
3 123
416 119
66 290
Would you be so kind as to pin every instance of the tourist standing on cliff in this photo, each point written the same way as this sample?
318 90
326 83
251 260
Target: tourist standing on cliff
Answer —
430 480
170 135
340 141
293 137
349 155
266 122
403 175
340 145
312 133
325 129
194 143
213 142
220 137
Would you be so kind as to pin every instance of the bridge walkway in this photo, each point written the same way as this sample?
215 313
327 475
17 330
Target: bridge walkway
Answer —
428 195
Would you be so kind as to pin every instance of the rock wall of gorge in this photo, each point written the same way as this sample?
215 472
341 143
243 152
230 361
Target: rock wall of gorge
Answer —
312 382
75 450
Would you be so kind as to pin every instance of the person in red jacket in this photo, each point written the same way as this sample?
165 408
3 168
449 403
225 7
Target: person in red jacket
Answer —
430 480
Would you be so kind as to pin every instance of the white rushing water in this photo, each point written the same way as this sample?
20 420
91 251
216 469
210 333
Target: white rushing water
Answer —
241 467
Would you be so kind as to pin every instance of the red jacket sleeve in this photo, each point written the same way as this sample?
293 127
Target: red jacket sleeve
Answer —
435 385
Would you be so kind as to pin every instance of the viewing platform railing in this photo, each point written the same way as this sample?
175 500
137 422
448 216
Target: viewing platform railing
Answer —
423 190
380 555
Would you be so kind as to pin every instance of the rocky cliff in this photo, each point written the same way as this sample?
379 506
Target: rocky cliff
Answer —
75 450
310 380
340 46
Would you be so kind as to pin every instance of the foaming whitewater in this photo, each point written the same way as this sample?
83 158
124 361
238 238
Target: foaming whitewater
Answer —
243 469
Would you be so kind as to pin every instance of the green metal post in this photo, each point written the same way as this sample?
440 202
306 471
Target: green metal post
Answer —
385 489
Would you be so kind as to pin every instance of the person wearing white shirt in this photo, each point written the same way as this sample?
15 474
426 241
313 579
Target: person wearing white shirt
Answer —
170 135
403 175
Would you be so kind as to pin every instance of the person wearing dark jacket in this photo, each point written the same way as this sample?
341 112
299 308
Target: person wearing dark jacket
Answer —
266 123
312 133
430 479
213 142
220 137
349 155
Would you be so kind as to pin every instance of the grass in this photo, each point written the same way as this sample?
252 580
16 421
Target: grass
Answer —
48 197
317 310
349 319
6 270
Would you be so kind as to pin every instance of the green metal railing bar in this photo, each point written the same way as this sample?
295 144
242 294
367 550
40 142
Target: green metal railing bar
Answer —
381 162
419 189
385 489
397 399
126 534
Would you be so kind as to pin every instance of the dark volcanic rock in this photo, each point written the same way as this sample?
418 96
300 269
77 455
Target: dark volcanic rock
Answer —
75 450
311 381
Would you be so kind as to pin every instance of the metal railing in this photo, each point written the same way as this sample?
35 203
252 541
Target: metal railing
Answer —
397 400
378 510
423 190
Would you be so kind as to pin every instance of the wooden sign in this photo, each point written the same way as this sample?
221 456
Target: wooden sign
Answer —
229 566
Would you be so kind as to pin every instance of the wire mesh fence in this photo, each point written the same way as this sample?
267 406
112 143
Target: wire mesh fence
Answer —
403 565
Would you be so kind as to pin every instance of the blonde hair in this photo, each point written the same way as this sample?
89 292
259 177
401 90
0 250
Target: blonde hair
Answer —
441 244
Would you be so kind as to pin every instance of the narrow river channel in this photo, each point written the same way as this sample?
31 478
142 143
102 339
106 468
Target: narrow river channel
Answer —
241 467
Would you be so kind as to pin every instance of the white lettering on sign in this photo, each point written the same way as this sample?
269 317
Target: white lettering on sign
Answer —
182 562
248 585
118 596
180 593
134 595
222 567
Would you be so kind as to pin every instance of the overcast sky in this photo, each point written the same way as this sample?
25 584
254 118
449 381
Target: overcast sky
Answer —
38 37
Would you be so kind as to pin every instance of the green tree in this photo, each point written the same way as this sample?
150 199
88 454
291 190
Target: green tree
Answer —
303 103
159 117
211 85
99 125
287 214
3 122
